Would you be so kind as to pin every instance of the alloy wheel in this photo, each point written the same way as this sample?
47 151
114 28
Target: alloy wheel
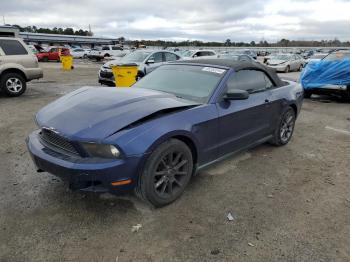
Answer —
287 127
14 85
170 174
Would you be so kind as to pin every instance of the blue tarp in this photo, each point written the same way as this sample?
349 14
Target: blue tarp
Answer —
326 72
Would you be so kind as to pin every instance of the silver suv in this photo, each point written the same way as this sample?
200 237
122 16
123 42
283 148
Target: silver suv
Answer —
18 65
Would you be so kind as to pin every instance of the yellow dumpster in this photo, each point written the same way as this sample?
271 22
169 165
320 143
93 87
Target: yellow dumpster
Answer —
67 62
124 75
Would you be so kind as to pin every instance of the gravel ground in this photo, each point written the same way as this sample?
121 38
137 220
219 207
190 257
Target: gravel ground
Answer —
289 204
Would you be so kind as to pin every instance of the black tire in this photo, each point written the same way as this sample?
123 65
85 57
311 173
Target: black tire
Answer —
13 84
106 55
45 59
285 128
307 94
166 173
287 70
300 68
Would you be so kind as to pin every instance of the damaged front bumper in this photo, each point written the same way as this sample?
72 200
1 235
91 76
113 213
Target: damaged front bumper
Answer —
84 174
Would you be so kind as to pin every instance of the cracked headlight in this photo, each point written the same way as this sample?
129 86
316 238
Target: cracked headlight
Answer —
101 150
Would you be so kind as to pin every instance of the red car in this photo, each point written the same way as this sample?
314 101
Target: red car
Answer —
53 54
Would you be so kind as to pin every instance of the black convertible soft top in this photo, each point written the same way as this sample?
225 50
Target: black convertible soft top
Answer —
237 66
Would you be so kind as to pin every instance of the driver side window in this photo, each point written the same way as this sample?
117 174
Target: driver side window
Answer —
251 81
157 57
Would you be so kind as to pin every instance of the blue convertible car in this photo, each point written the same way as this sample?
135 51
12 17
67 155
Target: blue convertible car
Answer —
154 136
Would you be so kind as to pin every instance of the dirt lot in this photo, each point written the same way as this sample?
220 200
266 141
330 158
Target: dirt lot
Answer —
290 203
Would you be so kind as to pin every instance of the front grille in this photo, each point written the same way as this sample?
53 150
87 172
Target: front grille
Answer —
55 140
105 74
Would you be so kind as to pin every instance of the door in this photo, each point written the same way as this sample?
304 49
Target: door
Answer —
53 54
154 61
244 122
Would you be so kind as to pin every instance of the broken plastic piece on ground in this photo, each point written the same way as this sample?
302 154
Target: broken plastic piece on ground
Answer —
230 217
136 228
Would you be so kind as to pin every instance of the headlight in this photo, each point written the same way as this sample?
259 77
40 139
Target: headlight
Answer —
101 150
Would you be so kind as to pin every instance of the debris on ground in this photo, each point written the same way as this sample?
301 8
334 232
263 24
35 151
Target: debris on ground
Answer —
230 217
215 251
136 228
270 196
251 245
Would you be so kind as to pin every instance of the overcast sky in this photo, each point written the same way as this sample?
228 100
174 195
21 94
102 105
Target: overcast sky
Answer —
208 20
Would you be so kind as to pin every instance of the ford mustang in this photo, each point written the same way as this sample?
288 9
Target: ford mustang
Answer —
154 136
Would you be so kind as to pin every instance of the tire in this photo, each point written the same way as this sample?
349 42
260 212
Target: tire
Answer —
13 84
166 173
45 59
285 128
85 56
307 94
300 68
106 55
287 70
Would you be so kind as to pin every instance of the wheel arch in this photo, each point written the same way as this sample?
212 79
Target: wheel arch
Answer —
14 70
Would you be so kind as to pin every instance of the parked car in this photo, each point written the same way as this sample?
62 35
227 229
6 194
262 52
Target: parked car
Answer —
198 54
315 58
79 53
146 60
329 76
107 51
53 54
236 57
154 136
286 62
18 65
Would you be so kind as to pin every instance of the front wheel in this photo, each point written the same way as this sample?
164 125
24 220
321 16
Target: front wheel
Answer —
287 69
285 128
166 174
13 84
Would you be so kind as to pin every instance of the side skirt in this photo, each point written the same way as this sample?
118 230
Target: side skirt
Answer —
224 157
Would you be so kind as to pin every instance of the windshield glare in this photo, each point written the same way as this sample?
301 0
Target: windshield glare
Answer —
137 56
194 83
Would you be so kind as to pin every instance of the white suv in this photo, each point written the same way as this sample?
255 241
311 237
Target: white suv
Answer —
18 65
199 54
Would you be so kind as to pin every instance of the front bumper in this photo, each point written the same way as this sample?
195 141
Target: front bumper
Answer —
278 68
85 174
106 78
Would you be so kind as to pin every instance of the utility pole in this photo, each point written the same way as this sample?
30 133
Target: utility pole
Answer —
3 18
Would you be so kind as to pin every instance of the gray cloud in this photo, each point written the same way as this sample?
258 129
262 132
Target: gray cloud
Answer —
182 19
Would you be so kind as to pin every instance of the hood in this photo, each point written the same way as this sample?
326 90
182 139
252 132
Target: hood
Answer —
276 61
94 113
118 62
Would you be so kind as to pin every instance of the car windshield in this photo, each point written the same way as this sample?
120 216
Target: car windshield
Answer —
194 83
281 57
137 56
337 56
187 53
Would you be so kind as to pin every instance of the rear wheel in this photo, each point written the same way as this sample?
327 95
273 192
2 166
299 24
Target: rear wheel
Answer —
285 128
13 84
45 59
300 68
166 174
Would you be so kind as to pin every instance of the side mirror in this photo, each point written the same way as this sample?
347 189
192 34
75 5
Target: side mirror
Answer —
150 61
236 94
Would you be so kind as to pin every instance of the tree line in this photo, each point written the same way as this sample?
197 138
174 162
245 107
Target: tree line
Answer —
229 43
55 30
